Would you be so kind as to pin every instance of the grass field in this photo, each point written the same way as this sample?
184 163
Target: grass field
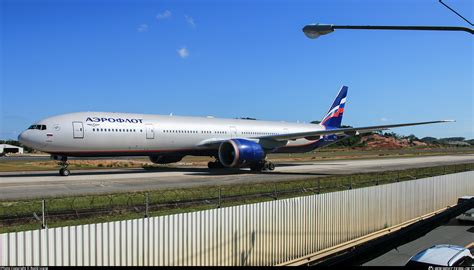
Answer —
323 154
64 211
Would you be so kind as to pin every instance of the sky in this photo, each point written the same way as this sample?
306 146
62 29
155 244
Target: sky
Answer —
236 59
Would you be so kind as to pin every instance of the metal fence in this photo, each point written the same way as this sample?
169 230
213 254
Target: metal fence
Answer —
265 233
146 203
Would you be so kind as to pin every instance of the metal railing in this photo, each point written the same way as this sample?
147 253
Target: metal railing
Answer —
152 203
266 233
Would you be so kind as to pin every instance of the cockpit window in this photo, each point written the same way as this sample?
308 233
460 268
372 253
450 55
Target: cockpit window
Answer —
39 127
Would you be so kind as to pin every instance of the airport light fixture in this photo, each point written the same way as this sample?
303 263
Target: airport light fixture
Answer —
315 30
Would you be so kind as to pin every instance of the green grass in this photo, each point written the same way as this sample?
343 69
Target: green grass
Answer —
66 211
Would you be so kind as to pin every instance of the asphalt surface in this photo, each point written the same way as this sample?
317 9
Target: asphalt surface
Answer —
453 233
39 184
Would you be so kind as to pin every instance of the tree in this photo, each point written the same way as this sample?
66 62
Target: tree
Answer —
429 140
453 139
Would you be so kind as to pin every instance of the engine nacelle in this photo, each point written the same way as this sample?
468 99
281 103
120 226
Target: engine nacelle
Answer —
236 153
160 159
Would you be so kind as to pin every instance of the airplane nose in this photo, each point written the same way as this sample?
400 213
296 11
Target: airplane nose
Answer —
21 137
24 139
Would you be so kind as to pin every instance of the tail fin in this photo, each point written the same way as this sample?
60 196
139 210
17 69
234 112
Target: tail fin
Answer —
334 116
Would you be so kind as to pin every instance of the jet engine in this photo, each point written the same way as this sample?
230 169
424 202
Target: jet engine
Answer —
162 159
237 153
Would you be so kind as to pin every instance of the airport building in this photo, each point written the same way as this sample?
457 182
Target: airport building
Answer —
8 148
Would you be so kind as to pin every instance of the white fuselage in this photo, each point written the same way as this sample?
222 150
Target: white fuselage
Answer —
113 134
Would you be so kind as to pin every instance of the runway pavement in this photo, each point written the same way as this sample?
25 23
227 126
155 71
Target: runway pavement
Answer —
38 184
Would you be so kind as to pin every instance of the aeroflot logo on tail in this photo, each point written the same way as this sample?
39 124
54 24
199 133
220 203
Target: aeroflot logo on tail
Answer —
114 120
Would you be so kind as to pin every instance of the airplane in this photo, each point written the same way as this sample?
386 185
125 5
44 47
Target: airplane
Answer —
234 143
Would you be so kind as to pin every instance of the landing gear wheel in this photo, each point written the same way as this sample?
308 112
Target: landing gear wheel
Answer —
271 166
64 172
214 165
255 168
63 163
262 166
211 165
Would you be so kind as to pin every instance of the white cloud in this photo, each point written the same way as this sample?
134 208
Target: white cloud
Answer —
142 28
164 15
183 52
190 20
383 119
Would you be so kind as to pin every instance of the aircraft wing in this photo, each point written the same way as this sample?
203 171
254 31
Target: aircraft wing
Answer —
214 142
345 131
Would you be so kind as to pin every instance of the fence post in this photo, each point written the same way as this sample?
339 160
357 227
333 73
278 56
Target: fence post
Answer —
43 211
275 191
350 181
147 201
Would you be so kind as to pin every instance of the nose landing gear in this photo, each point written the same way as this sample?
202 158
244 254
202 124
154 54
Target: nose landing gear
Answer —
64 171
63 163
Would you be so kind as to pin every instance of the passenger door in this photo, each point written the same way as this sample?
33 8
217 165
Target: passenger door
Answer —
77 130
233 131
150 132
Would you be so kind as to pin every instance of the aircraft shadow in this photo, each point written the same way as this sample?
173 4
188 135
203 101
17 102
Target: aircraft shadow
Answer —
187 171
312 164
262 173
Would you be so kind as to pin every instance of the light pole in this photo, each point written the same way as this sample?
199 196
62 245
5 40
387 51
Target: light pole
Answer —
315 30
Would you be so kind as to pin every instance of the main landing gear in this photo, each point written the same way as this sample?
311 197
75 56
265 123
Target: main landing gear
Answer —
255 167
215 165
262 166
63 163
